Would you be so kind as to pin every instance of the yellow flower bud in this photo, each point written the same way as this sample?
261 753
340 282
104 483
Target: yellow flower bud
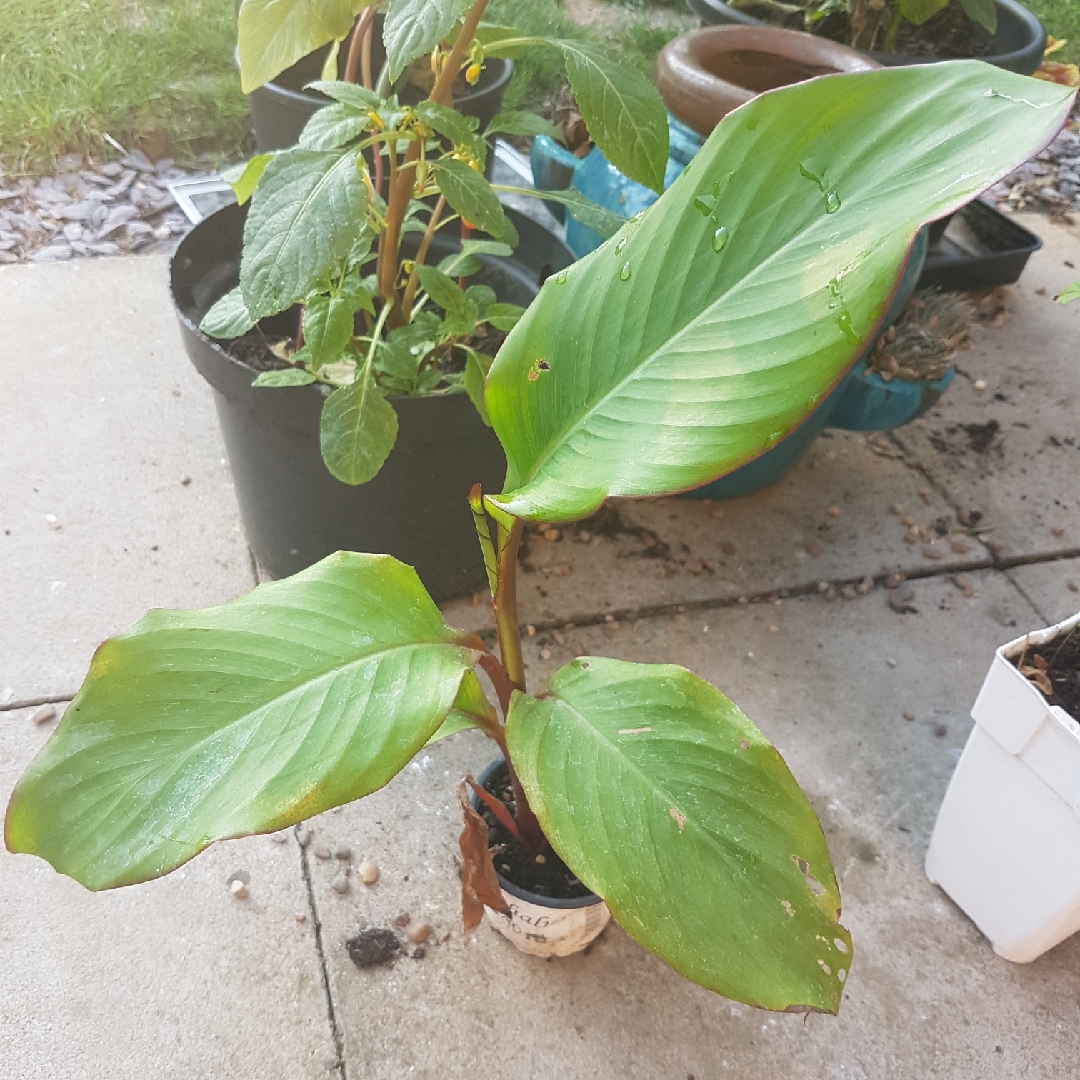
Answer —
472 74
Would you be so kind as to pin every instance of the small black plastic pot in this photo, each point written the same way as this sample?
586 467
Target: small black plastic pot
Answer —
1017 44
281 107
293 511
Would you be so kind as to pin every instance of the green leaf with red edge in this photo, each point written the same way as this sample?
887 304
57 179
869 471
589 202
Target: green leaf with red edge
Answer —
717 320
664 799
194 726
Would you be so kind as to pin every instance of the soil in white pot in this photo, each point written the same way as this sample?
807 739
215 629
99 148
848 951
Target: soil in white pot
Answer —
1054 667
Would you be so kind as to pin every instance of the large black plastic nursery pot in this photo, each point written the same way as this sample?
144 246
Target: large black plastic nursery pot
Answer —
1017 44
293 511
281 107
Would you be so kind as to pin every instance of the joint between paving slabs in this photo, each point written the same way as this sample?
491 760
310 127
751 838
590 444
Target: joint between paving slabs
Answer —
331 1014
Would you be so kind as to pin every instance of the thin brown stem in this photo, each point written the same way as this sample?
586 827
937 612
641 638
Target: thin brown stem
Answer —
506 617
361 30
421 255
365 57
442 92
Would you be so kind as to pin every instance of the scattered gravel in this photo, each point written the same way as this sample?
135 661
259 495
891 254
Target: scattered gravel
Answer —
44 714
368 873
1050 182
87 210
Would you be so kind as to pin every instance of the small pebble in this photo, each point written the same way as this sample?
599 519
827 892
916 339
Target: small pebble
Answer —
609 618
1072 586
540 860
716 512
530 630
584 536
300 917
238 889
419 952
940 730
909 520
814 549
822 586
833 511
340 884
322 852
44 714
931 552
1058 530
894 580
890 661
848 592
960 545
896 509
909 716
550 534
774 629
744 600
343 851
418 933
402 919
995 547
368 872
865 585
749 656
279 837
965 584
545 654
185 480
52 521
980 384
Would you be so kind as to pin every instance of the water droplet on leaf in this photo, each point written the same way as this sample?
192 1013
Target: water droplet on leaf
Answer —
720 238
832 202
561 279
620 246
624 273
844 323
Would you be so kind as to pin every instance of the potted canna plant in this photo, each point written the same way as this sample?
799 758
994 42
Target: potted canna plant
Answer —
680 350
383 201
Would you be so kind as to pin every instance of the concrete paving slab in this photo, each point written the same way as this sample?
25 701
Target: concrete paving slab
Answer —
1053 588
1012 451
926 995
828 520
173 979
102 418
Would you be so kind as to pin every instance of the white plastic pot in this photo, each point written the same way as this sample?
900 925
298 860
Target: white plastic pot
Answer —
538 927
1006 846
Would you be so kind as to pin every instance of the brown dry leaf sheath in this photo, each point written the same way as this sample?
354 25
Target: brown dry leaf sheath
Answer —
479 885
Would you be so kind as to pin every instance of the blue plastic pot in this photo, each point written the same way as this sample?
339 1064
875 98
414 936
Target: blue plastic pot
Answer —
553 169
864 401
598 179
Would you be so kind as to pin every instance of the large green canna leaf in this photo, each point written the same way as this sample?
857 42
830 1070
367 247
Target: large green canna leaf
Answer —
666 801
274 34
306 214
706 329
193 726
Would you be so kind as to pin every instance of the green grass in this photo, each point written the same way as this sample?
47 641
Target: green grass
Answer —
72 70
1062 20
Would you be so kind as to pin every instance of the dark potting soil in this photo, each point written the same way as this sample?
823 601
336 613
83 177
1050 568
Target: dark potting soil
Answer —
948 35
1059 661
516 863
372 948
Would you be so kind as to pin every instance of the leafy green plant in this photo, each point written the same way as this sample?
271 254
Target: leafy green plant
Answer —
872 24
686 345
329 222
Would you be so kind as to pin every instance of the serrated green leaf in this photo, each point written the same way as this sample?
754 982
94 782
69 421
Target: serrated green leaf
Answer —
471 710
622 110
503 316
482 296
405 348
357 430
665 800
332 126
274 34
471 196
290 376
476 369
415 27
228 318
460 264
442 289
582 209
707 346
1070 292
984 12
244 179
486 247
194 726
918 11
355 97
459 129
526 124
328 328
306 214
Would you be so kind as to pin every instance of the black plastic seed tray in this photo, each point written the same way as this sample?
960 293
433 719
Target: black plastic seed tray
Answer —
979 249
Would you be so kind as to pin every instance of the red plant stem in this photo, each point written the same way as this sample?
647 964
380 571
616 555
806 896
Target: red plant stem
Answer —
497 807
361 30
499 679
421 255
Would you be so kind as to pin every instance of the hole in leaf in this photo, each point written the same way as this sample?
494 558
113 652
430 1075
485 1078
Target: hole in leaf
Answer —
680 819
812 882
840 944
841 974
